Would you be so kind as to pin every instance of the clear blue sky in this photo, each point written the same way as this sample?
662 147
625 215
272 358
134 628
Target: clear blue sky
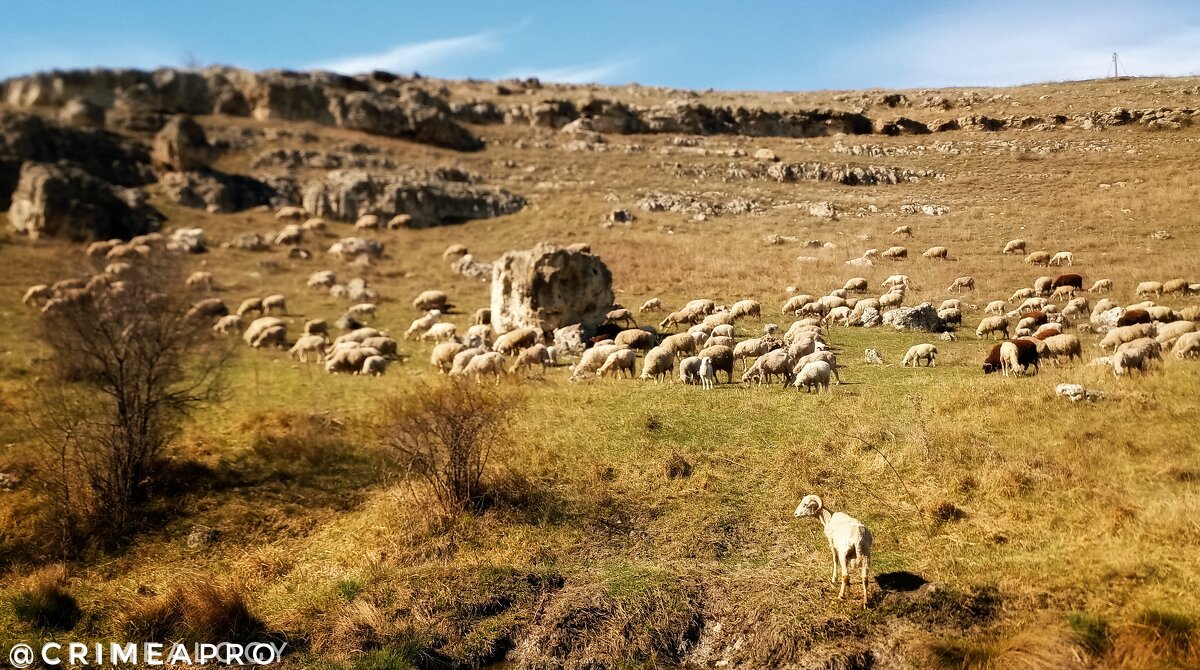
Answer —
796 45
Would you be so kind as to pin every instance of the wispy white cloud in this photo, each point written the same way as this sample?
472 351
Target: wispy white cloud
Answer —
416 55
1040 43
595 73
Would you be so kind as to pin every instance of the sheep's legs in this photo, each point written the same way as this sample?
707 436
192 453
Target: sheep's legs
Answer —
834 578
845 578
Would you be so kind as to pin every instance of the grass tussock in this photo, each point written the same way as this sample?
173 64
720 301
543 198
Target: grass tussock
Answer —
44 602
1039 647
1154 640
290 439
195 611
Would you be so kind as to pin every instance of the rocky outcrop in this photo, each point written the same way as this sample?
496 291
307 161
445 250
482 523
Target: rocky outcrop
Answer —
850 175
142 101
218 192
323 160
549 287
25 137
431 199
923 317
182 146
63 200
81 113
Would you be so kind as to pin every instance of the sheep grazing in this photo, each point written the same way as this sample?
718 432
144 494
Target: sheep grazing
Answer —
487 363
636 338
290 212
621 316
676 318
707 373
384 344
1169 332
992 324
293 233
776 362
274 302
849 541
1122 334
895 253
200 280
995 307
856 285
651 305
1133 316
367 222
37 295
362 310
481 316
903 231
1177 285
1026 355
619 363
266 330
443 355
458 365
309 344
819 355
1057 346
480 335
207 308
419 326
1149 288
950 316
430 300
250 305
722 357
1014 247
796 302
920 352
689 370
895 281
745 308
962 284
1038 258
440 332
538 354
374 366
1017 356
723 330
814 375
658 364
680 344
753 348
1124 362
1101 286
514 341
228 324
1062 258
1187 346
936 253
592 360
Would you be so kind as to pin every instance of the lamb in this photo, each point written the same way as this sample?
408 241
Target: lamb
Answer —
1038 258
658 364
1187 346
419 326
689 370
622 316
849 541
992 324
722 357
538 354
1101 286
707 373
1148 288
651 305
487 363
618 363
430 300
936 253
905 231
309 344
745 308
895 253
921 352
374 366
362 310
995 307
1063 345
1122 334
443 355
515 340
962 284
440 332
1062 258
273 302
856 285
37 295
228 324
1014 247
200 280
814 375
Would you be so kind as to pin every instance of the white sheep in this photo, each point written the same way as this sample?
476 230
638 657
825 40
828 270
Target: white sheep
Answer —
514 341
920 352
592 360
199 279
1187 346
995 307
897 280
487 363
816 375
1014 247
1062 258
707 373
538 354
745 308
1067 345
1130 359
273 302
962 284
658 364
463 358
1101 286
1149 288
689 370
1169 332
440 332
849 541
936 253
250 305
309 344
262 331
796 302
873 356
228 324
362 310
992 324
374 366
443 355
856 285
652 305
419 326
619 363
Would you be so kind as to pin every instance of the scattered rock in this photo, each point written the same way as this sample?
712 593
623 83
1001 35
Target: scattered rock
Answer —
188 240
765 155
356 248
181 146
822 210
923 317
248 242
1077 393
202 536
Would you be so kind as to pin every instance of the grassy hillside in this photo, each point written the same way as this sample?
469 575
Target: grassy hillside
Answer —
1051 534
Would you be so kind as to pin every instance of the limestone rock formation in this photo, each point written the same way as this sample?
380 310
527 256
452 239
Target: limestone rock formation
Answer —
81 113
549 287
63 200
215 191
345 195
923 317
181 146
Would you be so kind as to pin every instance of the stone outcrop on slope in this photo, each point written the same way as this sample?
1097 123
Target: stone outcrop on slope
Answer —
431 199
64 200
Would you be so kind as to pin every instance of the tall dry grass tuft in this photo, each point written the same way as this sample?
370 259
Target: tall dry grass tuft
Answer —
43 601
1156 639
1038 647
194 611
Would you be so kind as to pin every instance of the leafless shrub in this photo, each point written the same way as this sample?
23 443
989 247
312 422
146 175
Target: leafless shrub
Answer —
444 435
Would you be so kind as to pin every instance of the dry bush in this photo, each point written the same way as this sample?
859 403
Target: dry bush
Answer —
44 602
1155 639
1037 647
444 434
130 371
196 611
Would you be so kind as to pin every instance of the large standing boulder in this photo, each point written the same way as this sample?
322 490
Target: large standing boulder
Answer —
549 287
181 146
62 200
923 317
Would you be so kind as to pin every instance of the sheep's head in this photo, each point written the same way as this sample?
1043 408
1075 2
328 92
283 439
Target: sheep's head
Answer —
809 506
